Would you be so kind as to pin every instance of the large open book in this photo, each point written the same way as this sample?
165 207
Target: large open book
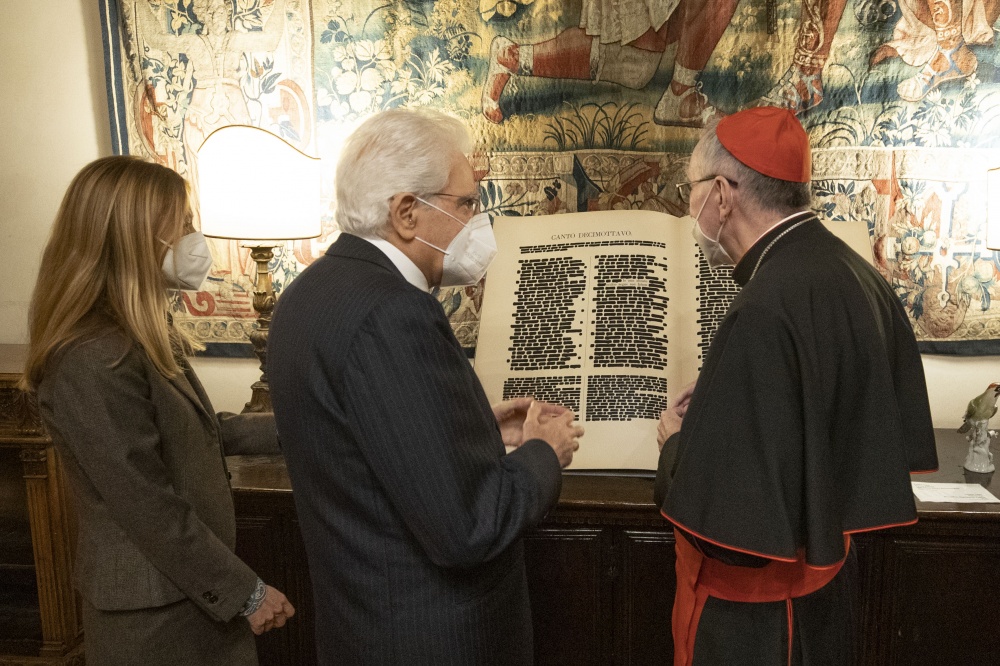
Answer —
607 313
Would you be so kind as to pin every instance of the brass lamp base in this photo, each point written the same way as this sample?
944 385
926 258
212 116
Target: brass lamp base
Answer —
263 305
260 400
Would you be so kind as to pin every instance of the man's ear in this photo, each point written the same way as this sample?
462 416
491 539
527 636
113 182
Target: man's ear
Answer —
402 209
727 194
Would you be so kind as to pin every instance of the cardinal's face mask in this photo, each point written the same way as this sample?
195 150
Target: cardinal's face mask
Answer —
715 254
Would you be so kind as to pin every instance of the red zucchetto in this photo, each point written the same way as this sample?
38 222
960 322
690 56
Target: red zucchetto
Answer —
770 141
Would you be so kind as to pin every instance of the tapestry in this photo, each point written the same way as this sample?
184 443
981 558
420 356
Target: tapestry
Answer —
594 105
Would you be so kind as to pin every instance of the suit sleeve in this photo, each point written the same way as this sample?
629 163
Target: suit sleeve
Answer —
248 434
432 441
102 412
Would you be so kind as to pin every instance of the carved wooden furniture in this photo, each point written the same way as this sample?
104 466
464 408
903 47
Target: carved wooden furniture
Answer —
600 570
933 586
39 611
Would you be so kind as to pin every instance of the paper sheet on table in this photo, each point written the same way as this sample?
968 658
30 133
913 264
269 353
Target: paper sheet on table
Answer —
952 492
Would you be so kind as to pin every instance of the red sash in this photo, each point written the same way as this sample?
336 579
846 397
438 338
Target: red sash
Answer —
699 577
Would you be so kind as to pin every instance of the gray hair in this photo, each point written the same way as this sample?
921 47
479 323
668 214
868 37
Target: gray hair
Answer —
400 150
711 158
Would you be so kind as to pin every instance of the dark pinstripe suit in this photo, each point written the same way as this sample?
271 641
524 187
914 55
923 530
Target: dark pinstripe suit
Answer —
411 513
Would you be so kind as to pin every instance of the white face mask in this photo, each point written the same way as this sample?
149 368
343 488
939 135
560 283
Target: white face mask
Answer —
469 253
715 254
187 262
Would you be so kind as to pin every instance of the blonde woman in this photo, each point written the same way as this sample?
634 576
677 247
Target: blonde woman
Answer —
142 446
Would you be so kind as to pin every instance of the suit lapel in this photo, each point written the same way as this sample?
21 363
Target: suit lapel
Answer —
187 383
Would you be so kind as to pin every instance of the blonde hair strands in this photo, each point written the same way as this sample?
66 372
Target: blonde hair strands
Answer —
101 266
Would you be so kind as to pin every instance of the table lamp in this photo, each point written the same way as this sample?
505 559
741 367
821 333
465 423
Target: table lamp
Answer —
256 188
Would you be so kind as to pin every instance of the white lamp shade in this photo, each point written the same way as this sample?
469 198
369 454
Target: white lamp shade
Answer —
993 209
252 185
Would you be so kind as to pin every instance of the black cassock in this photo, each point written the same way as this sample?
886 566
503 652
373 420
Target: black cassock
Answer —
808 417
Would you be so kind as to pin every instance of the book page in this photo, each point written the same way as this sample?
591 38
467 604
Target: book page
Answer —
855 234
608 313
594 311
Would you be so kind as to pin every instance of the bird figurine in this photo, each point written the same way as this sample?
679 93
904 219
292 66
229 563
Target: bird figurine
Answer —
981 408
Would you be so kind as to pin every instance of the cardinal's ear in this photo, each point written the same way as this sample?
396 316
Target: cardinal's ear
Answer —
727 195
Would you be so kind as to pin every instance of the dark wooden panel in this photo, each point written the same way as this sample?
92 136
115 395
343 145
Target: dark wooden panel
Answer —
258 538
868 549
644 597
569 579
945 606
269 541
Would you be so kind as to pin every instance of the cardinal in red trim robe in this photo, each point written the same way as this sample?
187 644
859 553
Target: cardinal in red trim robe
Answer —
807 418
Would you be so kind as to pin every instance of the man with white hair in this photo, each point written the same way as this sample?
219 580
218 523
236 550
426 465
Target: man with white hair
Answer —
807 418
411 513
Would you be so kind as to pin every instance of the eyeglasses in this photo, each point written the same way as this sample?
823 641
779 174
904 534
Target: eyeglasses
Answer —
469 204
684 189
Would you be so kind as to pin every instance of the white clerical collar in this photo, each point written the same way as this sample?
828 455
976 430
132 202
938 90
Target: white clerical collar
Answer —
779 223
403 263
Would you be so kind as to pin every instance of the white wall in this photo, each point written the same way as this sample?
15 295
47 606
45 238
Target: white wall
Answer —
54 120
952 382
228 380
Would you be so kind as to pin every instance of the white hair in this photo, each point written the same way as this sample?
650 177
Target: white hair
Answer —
400 150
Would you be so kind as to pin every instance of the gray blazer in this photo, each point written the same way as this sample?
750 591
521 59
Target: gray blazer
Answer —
144 457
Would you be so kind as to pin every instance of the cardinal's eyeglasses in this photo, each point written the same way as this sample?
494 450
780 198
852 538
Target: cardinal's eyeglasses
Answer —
684 189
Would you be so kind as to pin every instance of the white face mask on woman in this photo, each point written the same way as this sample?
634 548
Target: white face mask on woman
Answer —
715 254
470 253
188 262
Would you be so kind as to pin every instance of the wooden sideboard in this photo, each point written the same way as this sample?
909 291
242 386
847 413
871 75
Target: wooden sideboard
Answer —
600 566
39 611
601 572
